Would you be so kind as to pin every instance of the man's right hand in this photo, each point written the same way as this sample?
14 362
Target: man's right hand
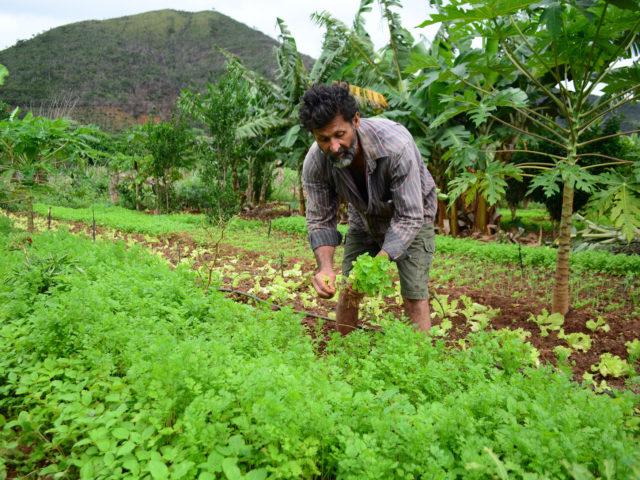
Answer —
324 281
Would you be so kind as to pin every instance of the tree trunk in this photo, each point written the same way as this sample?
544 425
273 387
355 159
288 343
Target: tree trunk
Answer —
114 181
561 287
453 219
166 195
136 183
266 179
234 177
480 219
302 209
137 187
441 215
250 174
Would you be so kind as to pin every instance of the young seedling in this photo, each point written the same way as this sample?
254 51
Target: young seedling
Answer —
598 324
633 350
547 322
577 341
611 366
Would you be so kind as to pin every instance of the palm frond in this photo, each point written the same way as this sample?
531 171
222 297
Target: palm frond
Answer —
293 73
261 125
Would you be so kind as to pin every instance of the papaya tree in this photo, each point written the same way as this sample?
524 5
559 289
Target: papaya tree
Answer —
566 49
33 147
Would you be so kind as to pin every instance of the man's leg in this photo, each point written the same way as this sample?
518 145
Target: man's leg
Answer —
414 277
348 304
347 311
418 312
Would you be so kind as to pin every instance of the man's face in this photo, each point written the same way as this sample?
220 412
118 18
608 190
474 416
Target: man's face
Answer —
338 140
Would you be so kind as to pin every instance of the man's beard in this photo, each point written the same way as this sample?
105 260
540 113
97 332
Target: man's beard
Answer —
345 156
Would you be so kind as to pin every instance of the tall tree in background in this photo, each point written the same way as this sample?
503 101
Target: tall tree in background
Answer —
565 49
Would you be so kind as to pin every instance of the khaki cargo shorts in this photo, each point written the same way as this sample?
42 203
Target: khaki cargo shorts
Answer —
413 267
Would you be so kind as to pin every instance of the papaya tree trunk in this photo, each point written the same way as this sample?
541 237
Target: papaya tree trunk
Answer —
560 302
480 220
453 219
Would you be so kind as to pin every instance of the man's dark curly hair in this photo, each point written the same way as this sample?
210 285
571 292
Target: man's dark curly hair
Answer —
321 103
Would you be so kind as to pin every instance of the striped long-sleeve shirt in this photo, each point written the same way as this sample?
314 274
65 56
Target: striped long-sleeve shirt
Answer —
401 191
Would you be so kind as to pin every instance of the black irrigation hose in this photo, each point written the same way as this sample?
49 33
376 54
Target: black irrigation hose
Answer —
280 307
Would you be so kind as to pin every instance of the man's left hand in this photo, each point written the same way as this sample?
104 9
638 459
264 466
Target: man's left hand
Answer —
382 253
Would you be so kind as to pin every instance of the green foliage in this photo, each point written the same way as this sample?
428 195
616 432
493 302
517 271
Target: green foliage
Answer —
611 366
477 316
577 341
372 276
620 199
633 350
547 322
169 145
600 261
224 203
3 74
598 324
124 368
32 148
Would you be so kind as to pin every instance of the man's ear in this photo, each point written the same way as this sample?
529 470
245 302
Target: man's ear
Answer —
356 120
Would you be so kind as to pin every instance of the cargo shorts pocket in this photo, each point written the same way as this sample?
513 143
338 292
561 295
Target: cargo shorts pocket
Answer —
414 267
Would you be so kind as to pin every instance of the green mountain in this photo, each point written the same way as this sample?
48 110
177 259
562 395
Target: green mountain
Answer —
119 71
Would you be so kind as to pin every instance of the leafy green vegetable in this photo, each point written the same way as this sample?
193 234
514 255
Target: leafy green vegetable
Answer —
372 275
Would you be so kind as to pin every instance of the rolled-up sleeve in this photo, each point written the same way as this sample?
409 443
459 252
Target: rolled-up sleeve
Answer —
322 203
406 192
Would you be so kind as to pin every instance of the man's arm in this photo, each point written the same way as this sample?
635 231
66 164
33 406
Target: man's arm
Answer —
322 222
324 278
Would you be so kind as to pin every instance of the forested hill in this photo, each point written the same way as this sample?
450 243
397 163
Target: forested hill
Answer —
123 69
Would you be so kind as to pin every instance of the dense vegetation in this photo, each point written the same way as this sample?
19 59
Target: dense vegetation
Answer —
113 71
112 364
118 363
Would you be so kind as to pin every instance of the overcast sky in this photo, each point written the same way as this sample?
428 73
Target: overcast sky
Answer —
21 19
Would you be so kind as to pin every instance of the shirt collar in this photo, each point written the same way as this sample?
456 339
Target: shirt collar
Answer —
370 143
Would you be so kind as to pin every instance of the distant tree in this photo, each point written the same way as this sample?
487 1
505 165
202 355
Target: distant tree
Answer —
31 148
169 144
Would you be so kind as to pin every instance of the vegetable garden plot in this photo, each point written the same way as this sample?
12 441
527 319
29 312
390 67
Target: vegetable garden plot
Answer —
468 294
112 364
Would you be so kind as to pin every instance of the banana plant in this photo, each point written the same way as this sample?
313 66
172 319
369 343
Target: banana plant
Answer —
565 49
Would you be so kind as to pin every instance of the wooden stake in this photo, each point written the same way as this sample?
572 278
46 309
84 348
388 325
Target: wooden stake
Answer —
93 229
49 219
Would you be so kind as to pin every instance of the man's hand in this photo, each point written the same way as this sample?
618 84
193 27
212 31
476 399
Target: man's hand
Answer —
324 281
382 253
